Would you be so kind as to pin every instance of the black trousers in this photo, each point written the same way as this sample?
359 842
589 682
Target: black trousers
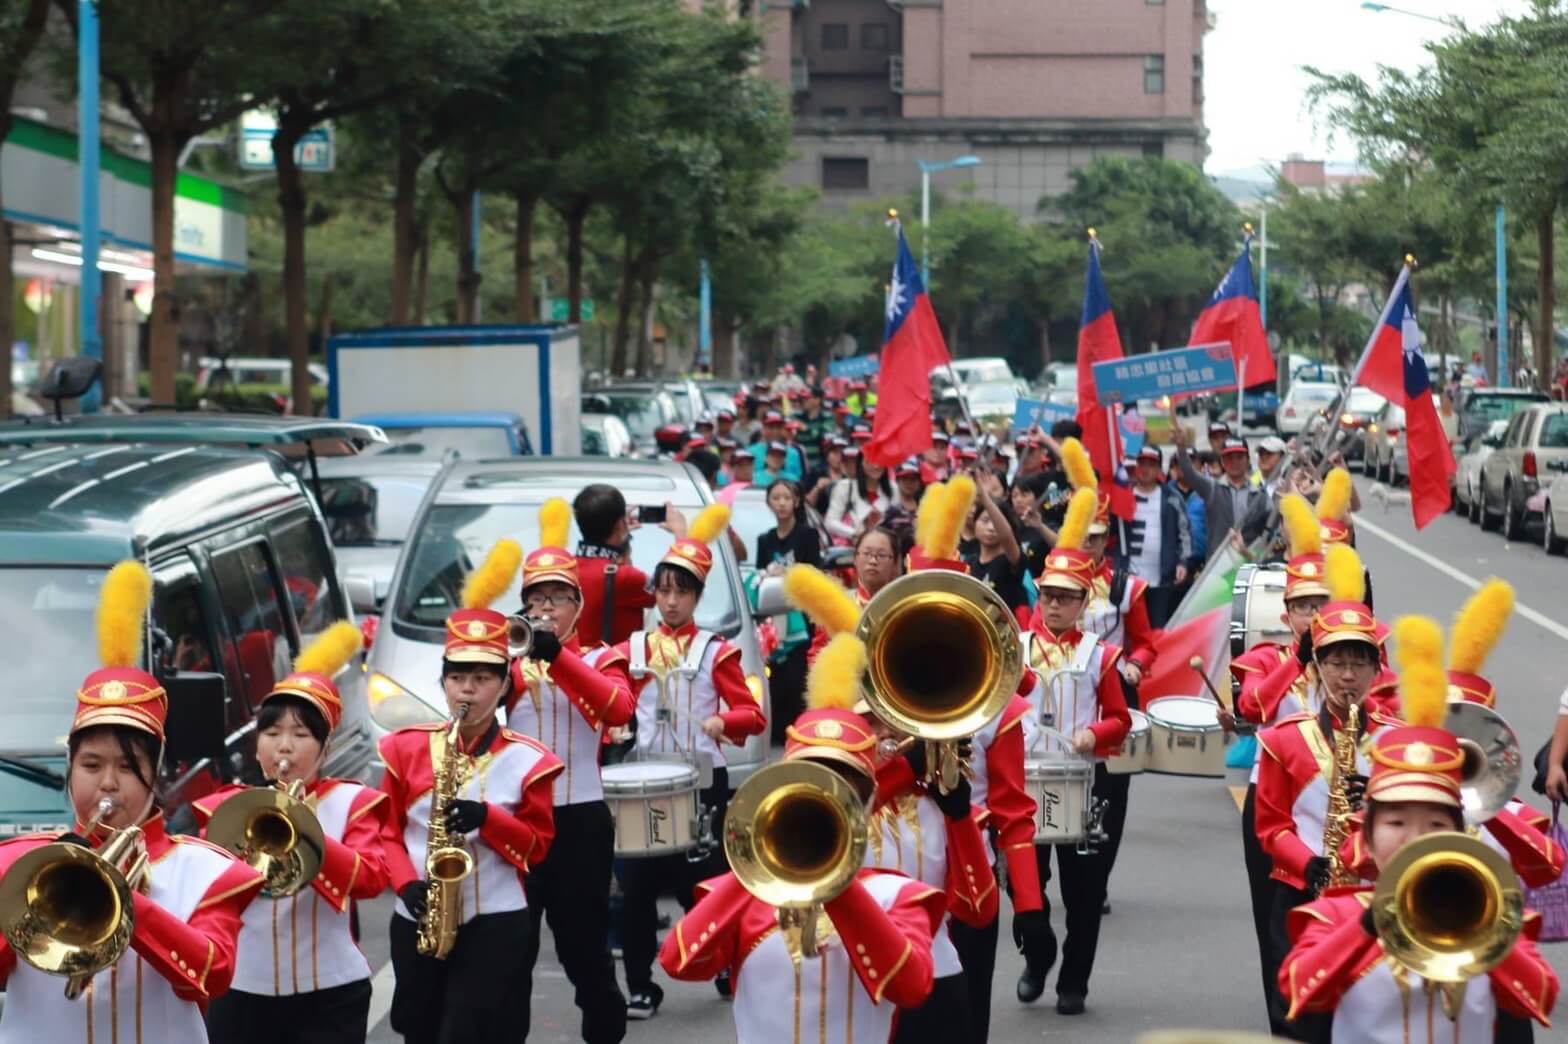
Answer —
943 1019
339 1015
644 880
473 995
1161 602
1312 1028
1261 887
571 887
1084 877
977 952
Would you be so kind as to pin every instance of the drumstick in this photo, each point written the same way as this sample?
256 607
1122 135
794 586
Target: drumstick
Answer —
1196 663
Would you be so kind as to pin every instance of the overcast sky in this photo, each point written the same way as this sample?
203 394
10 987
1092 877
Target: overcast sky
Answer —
1255 91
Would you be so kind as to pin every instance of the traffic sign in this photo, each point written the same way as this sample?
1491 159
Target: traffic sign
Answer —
561 307
316 152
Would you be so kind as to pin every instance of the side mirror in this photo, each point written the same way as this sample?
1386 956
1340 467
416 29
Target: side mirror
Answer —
69 379
770 597
361 591
196 726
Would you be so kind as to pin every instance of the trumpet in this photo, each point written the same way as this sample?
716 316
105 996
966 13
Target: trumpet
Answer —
68 910
796 835
273 830
519 636
944 657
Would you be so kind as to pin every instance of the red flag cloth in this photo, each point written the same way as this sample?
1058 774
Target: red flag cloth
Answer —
1232 314
912 346
1099 342
1206 637
1393 366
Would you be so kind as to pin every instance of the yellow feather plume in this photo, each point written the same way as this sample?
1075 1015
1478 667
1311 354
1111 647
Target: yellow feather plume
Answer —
332 648
1423 686
494 575
122 612
1479 624
1080 513
1075 461
947 520
930 505
713 520
822 598
1306 536
834 678
1334 499
555 522
1342 569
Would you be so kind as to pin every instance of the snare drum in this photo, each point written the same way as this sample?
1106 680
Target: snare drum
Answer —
1187 738
1257 608
1060 785
655 806
1136 748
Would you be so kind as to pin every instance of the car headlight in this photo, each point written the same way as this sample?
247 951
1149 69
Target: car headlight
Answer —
394 707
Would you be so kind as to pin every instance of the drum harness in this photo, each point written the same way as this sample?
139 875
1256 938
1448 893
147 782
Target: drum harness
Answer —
664 719
1050 714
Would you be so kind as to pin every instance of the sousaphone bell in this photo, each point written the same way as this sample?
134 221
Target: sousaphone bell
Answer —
1493 764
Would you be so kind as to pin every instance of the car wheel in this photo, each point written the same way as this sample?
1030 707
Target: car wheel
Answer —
1489 522
1553 541
1513 519
1473 506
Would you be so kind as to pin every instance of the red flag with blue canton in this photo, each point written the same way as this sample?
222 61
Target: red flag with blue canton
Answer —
1099 342
1232 314
912 346
1393 366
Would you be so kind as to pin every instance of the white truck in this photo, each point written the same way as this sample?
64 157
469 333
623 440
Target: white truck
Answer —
532 371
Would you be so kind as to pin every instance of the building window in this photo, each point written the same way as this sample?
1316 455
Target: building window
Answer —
1154 74
835 36
1155 3
873 36
846 173
1154 150
834 112
874 112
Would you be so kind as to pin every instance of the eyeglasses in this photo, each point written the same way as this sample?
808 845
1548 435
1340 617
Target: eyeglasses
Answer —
1346 666
874 556
554 601
1060 597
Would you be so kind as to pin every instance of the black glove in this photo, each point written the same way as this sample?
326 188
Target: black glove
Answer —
1368 922
1032 932
71 837
1317 873
955 805
416 898
1304 649
546 646
462 817
916 756
1355 790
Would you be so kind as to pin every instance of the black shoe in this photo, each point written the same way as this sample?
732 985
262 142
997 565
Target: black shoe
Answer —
1069 1004
1105 908
1031 983
663 922
644 1004
722 984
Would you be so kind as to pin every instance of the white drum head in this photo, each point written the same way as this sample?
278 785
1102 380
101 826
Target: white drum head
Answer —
648 772
1140 722
1185 712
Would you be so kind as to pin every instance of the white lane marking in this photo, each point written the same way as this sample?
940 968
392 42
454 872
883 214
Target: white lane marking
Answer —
1534 616
381 994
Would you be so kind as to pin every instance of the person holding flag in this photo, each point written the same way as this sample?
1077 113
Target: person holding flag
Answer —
1233 315
912 346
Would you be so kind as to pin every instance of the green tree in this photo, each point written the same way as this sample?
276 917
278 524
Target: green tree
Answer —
21 27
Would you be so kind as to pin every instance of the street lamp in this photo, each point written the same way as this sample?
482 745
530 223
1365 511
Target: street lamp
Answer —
1368 5
928 168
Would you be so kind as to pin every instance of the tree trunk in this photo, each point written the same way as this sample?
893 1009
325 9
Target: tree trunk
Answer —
1546 294
647 269
163 347
723 345
467 257
324 318
291 202
523 258
405 198
576 216
422 276
623 310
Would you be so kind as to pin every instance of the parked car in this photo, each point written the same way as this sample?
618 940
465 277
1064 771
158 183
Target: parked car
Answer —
1318 373
370 503
1554 513
605 435
1378 441
1479 407
684 395
474 504
243 575
1355 413
470 433
1302 403
1467 477
992 403
262 375
1062 381
720 394
643 413
1399 461
1536 436
982 369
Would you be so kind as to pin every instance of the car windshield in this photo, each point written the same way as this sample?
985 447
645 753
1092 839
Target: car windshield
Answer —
473 443
1554 432
642 414
1497 407
49 613
593 442
456 537
995 393
372 510
978 373
683 412
1363 400
1313 394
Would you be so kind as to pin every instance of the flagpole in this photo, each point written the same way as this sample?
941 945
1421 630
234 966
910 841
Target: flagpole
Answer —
1241 364
952 375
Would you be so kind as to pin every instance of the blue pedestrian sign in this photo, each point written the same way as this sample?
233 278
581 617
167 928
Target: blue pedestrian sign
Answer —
1173 371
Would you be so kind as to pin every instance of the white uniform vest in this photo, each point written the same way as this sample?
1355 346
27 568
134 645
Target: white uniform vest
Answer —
819 1001
558 724
1372 1012
301 943
1289 704
1067 686
980 782
495 886
1107 619
671 722
909 835
1310 809
128 1001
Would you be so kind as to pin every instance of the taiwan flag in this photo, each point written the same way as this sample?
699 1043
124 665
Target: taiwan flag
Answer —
912 346
1099 342
1232 315
1393 366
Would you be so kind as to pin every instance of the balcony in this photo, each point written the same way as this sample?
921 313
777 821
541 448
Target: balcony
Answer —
895 74
799 75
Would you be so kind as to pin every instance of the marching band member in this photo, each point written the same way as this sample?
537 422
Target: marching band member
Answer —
299 975
699 697
1077 686
873 953
187 908
1338 965
500 810
564 696
879 560
1297 754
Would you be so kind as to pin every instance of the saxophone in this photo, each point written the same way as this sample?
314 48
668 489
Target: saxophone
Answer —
447 862
1336 820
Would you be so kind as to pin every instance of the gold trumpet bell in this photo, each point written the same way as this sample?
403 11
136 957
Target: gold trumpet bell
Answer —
796 834
275 832
1448 907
